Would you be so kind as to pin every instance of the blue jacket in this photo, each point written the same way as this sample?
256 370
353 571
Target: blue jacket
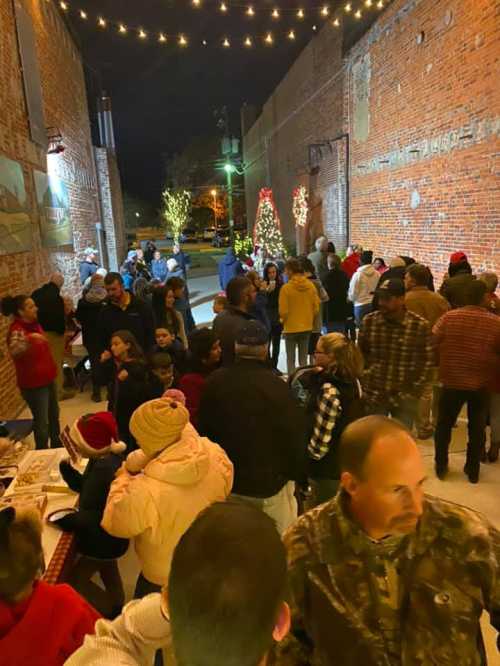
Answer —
229 267
159 269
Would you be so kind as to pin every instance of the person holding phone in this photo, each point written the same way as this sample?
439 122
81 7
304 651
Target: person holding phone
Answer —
273 282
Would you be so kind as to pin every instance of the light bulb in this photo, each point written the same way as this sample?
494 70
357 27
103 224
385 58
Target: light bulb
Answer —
63 6
248 42
162 37
380 4
291 35
250 11
196 3
269 38
275 14
223 7
142 34
315 27
368 3
348 7
101 22
226 43
182 41
122 29
325 11
204 42
83 15
336 23
300 14
358 14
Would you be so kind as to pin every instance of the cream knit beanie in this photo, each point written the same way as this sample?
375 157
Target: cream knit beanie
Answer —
158 424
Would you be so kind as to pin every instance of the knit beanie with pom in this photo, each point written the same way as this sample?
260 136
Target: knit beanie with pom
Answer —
158 424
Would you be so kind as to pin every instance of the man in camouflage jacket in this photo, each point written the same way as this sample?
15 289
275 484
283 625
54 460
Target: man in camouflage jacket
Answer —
378 586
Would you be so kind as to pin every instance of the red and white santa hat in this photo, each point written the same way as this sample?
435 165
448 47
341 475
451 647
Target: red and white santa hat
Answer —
96 434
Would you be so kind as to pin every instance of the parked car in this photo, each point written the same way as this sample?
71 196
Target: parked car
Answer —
222 238
209 233
190 235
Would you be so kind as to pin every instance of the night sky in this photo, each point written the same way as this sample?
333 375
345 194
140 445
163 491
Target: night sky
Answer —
163 95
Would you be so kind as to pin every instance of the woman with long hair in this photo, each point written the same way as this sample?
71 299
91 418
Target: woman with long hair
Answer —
273 282
35 368
165 314
331 395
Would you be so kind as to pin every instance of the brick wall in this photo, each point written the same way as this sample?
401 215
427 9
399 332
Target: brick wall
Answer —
65 107
420 99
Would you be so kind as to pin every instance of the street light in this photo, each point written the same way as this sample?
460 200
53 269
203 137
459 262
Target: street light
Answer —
138 215
214 194
229 168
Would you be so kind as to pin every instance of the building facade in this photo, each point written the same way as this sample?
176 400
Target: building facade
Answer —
56 211
396 139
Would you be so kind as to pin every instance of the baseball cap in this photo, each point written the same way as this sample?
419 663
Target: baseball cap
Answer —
456 257
391 287
252 334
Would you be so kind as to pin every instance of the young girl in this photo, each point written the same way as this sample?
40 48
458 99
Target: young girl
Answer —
331 395
165 314
130 381
273 283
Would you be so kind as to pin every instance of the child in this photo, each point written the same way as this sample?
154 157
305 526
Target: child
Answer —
177 285
220 304
167 343
163 369
40 624
94 436
181 474
131 381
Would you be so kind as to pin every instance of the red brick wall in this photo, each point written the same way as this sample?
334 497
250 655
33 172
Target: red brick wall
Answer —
65 107
424 124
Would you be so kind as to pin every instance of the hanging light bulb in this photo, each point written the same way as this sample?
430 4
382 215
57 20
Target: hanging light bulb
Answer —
63 6
325 11
196 3
182 40
250 11
101 22
223 7
269 38
358 14
380 4
336 23
275 13
291 35
162 37
122 29
142 34
83 15
348 7
300 14
226 43
248 42
368 3
315 27
204 42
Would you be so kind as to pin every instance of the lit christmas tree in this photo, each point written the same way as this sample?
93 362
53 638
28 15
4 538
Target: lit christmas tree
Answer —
267 230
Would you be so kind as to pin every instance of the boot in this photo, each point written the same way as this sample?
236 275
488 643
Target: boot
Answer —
482 455
493 452
96 394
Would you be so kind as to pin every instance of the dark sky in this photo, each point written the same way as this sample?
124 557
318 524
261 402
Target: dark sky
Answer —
162 95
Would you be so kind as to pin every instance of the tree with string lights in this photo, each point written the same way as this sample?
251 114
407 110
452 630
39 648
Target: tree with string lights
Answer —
267 230
177 209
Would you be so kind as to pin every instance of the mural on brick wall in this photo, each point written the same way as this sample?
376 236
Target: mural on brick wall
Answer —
54 210
16 233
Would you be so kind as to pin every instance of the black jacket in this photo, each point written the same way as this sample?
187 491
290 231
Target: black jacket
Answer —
336 284
226 327
137 318
250 412
272 304
88 316
50 308
93 486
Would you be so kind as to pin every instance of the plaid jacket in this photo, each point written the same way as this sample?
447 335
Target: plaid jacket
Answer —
399 357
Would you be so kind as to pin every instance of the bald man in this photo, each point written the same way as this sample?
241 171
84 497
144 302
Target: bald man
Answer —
384 574
53 321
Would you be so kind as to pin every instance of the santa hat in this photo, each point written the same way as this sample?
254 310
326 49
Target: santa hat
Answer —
96 434
457 257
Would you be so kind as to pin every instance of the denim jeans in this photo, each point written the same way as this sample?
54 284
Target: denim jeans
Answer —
336 327
450 404
45 409
405 411
360 312
293 342
282 507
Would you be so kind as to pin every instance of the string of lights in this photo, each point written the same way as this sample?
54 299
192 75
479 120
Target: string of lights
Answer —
268 38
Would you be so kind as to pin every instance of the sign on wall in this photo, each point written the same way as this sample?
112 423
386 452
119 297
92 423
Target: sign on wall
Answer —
52 198
16 233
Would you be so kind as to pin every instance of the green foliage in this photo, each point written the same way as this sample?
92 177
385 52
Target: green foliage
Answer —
243 244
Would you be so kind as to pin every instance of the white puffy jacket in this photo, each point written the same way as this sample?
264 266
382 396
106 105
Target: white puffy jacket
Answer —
363 284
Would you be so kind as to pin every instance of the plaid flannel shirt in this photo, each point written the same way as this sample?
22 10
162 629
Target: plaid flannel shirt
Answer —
327 413
399 357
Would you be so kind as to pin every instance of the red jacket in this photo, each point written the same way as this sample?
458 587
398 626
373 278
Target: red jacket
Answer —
192 385
351 264
46 628
35 367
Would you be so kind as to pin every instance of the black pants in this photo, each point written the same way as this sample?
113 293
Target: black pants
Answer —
275 340
450 404
111 601
405 412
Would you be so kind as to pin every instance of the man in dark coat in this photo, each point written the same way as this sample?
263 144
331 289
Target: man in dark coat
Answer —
89 264
241 295
229 268
455 286
337 308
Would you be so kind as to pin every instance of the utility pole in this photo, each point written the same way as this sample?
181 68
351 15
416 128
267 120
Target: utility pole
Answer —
229 168
230 150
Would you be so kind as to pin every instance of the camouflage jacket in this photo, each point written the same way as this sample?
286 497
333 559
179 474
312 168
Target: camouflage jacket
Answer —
448 571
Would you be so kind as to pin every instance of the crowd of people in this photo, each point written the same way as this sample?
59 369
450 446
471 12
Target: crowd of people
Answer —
278 517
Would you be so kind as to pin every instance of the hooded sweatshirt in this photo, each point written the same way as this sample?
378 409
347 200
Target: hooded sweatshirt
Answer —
363 284
46 628
298 304
158 505
229 267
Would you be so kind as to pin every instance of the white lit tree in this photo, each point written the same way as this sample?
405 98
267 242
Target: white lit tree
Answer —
267 230
177 209
300 206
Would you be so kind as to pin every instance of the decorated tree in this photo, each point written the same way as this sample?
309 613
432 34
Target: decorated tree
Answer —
177 209
267 230
300 206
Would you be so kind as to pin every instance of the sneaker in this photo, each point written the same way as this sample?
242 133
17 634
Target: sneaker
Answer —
441 472
96 396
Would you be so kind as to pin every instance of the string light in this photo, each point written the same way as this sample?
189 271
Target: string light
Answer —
142 34
223 7
300 14
162 38
275 13
63 6
269 38
336 23
348 7
325 11
204 42
196 3
250 11
358 14
101 22
182 41
380 4
248 42
83 15
291 35
226 43
315 27
300 206
122 29
368 3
